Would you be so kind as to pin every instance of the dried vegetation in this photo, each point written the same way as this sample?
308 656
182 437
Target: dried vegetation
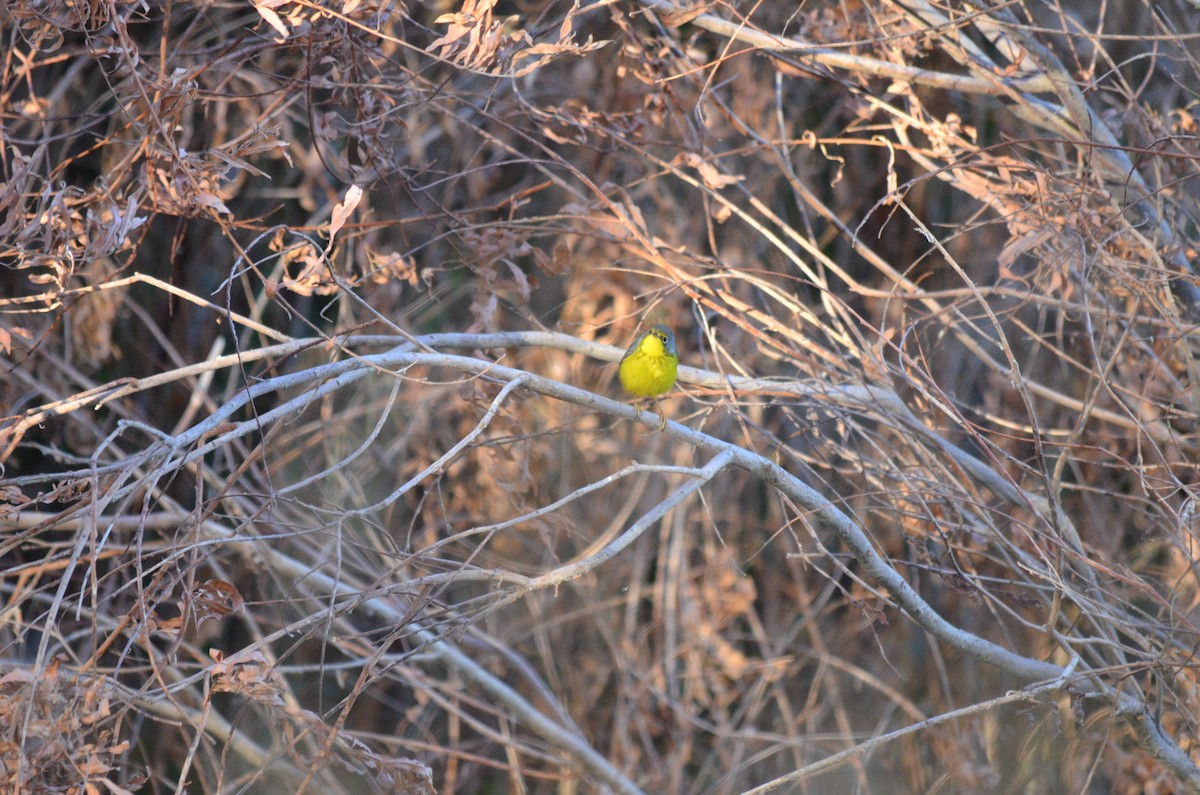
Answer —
316 478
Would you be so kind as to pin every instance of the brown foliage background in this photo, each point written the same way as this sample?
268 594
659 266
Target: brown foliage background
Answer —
314 474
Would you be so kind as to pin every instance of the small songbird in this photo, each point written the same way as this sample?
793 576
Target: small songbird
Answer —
649 366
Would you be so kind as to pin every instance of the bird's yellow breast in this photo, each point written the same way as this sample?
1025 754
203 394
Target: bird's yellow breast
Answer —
649 370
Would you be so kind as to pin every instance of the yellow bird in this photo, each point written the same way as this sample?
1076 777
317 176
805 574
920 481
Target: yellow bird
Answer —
649 367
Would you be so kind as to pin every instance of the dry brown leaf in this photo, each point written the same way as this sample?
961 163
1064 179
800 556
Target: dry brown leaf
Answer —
264 9
343 210
215 599
710 175
246 673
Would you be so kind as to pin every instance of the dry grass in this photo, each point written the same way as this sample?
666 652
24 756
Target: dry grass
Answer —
309 488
